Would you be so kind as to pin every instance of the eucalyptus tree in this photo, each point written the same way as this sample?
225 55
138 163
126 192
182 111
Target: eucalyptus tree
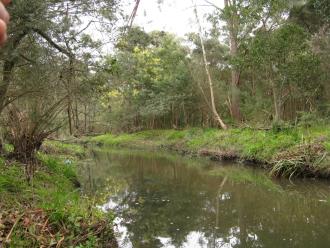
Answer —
151 83
242 18
314 17
49 23
218 59
44 60
288 68
210 81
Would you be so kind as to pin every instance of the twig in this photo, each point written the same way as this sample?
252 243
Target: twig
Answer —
44 225
12 229
60 242
35 211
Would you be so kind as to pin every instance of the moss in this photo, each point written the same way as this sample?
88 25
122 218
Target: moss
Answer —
8 148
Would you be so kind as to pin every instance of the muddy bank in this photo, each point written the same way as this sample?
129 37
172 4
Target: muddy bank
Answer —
293 153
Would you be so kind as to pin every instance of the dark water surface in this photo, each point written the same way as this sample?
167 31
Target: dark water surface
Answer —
163 200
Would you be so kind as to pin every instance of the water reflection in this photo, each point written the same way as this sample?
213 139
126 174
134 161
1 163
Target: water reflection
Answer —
167 201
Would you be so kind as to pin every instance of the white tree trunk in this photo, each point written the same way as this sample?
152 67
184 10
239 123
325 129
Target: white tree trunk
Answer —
213 107
232 24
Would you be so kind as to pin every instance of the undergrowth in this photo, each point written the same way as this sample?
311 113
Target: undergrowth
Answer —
58 147
50 210
269 147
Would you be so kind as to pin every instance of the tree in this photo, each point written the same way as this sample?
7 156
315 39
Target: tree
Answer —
233 26
47 21
151 81
241 19
44 32
206 66
288 67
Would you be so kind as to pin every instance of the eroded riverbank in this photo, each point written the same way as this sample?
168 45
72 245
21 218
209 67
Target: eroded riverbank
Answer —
294 152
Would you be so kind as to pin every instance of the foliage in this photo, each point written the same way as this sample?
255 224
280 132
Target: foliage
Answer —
263 146
156 80
27 131
157 84
59 147
51 209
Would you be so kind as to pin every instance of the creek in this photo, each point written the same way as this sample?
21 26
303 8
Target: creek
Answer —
164 200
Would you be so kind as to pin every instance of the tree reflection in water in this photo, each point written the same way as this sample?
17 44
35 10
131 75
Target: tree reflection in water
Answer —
168 201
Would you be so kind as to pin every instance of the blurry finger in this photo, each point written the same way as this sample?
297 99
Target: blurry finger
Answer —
6 2
3 32
3 13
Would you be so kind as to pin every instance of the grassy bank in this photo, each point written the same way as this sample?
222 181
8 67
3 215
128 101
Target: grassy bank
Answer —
287 152
50 211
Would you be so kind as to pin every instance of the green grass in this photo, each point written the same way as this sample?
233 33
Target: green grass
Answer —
9 178
57 147
54 190
265 146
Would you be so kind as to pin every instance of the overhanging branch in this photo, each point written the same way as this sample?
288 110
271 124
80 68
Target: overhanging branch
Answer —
52 43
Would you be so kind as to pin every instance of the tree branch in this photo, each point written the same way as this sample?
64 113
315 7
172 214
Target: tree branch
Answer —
134 12
52 43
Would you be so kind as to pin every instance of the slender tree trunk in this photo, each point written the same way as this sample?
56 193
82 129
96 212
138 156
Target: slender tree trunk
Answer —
85 119
185 116
6 80
277 107
235 97
214 109
9 65
172 116
70 81
76 114
69 117
233 24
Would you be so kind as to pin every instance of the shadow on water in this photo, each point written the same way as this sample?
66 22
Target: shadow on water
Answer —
163 200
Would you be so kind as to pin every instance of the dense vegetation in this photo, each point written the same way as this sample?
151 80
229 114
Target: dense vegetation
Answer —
49 210
268 64
260 64
290 152
260 70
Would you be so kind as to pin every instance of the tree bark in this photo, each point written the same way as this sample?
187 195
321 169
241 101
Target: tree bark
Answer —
85 118
277 105
213 107
233 24
69 118
76 112
8 67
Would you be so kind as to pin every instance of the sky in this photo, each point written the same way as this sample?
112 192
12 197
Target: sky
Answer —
175 16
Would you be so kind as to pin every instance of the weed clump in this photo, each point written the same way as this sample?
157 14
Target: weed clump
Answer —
303 160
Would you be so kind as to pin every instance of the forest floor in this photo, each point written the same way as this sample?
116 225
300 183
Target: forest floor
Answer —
50 210
288 152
